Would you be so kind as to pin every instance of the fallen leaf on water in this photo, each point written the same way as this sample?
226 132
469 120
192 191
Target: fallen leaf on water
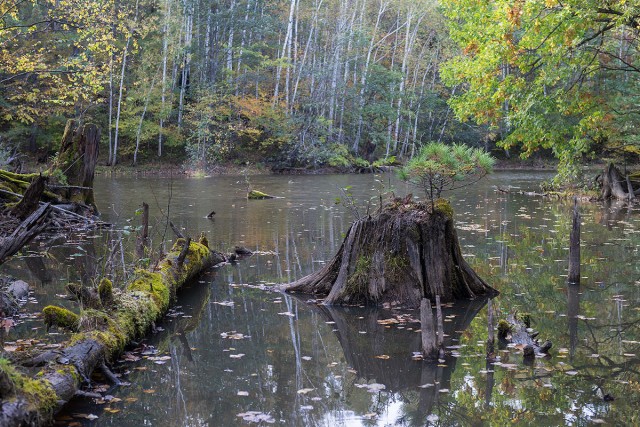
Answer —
149 391
257 417
159 358
112 410
287 313
383 356
131 399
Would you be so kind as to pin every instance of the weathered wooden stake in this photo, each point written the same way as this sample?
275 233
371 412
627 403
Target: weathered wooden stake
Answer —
632 195
429 345
490 326
145 220
574 246
439 323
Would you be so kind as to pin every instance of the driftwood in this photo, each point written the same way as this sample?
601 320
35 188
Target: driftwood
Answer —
31 198
516 329
26 231
102 335
401 255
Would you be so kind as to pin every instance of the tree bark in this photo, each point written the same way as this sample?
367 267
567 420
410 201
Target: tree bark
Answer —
403 254
31 199
130 315
77 159
612 184
26 231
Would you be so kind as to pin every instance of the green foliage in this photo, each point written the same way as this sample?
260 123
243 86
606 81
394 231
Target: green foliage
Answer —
439 167
548 75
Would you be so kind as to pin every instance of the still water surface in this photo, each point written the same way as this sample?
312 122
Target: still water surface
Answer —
231 353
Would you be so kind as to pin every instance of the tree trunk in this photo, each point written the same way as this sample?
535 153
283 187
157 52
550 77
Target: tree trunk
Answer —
30 228
401 255
612 184
129 315
31 199
77 159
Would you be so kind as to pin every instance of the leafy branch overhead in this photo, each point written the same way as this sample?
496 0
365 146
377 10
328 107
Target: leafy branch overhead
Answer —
439 167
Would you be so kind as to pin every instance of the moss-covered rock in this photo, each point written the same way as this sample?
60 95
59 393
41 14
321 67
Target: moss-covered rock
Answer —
61 317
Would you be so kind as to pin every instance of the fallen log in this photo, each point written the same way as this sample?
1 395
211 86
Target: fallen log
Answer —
406 252
516 329
25 232
102 335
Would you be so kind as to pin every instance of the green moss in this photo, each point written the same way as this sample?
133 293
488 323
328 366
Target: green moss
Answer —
358 281
443 206
38 393
395 266
503 328
151 283
256 195
525 318
105 290
203 240
61 317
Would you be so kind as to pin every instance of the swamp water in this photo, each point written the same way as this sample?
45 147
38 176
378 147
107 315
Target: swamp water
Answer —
231 353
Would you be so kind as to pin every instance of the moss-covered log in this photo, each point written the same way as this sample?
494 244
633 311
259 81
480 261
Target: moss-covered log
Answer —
399 256
102 335
258 195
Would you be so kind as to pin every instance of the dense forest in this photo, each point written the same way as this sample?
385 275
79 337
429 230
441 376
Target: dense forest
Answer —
296 83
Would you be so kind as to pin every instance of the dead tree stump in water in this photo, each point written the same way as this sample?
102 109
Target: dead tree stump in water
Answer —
77 159
401 255
617 186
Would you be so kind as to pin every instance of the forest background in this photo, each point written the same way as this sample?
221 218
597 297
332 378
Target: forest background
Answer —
321 83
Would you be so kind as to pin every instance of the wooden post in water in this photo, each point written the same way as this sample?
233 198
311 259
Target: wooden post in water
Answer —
632 195
143 239
491 333
429 345
440 342
574 246
145 220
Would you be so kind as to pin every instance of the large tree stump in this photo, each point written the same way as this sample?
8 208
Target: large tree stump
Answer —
403 254
617 186
77 159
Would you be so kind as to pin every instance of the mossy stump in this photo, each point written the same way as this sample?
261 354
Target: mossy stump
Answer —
406 252
101 335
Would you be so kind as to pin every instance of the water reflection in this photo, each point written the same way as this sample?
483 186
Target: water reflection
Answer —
517 243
